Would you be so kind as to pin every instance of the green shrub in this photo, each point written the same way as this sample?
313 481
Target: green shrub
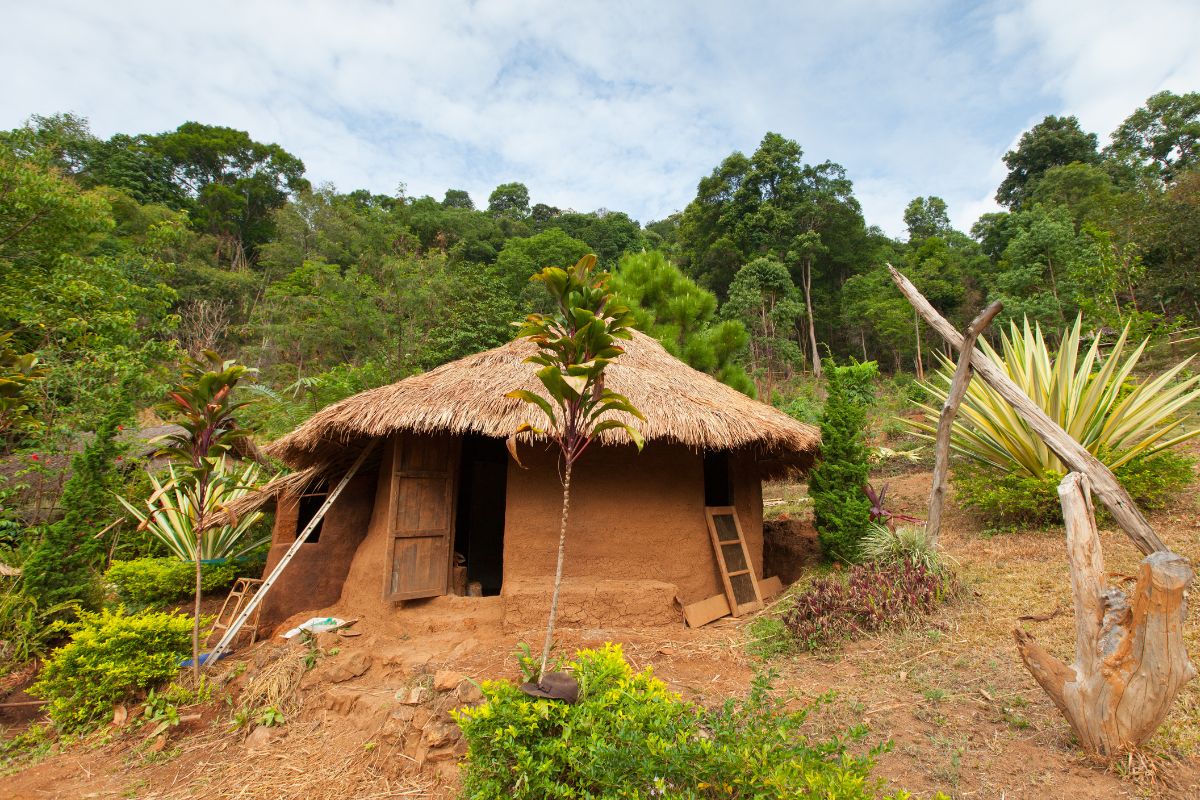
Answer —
841 512
908 543
111 658
629 736
26 631
144 582
1017 499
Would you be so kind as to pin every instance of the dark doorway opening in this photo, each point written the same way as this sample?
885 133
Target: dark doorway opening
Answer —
310 503
718 482
482 494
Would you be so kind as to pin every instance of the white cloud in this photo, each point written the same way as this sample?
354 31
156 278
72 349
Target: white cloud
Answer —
598 104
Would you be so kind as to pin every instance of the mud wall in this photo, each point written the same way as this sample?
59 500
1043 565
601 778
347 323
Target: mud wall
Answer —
315 575
633 517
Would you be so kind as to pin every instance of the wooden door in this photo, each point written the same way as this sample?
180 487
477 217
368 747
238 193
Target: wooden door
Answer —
424 483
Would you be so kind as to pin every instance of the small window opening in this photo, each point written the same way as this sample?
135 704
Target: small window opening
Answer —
309 505
718 483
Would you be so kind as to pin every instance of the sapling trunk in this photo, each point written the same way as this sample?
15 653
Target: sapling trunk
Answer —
558 570
196 623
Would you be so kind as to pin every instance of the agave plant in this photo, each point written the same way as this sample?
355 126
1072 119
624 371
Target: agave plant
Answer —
1093 397
170 514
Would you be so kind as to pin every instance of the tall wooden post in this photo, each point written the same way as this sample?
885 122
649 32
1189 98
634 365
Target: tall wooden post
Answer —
958 390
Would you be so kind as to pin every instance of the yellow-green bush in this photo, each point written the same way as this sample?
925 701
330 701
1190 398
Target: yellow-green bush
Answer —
630 737
111 657
143 582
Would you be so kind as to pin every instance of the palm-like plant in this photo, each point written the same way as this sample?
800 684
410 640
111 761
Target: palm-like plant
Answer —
203 406
1091 396
171 513
575 345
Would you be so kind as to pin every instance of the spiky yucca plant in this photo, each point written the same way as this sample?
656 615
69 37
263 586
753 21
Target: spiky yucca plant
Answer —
170 514
1091 396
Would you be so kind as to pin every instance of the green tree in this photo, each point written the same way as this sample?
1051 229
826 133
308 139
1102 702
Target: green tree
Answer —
841 511
764 299
1053 142
925 217
676 311
575 346
458 198
64 567
522 258
1162 138
234 183
509 199
772 204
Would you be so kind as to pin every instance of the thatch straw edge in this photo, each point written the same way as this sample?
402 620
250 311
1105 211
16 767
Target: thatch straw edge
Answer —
681 405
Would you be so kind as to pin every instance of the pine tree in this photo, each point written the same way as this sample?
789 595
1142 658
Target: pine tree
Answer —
841 511
65 565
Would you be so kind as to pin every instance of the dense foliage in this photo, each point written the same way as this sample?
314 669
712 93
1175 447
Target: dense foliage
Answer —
111 658
841 511
629 736
153 582
62 568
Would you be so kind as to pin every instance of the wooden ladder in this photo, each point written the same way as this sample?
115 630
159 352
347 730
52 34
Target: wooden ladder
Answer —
239 596
733 559
255 601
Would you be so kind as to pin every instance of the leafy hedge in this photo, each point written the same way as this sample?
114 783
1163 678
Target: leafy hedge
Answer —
1014 499
145 582
630 737
111 658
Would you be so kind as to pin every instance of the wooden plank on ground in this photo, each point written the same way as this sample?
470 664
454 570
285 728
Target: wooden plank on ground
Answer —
770 587
705 611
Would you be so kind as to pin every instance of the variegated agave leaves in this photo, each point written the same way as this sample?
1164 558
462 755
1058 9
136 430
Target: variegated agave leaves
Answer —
170 514
1091 396
575 345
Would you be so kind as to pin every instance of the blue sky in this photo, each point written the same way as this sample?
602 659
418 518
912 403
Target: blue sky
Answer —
609 104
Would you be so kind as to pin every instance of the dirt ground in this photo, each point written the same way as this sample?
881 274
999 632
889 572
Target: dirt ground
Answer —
951 694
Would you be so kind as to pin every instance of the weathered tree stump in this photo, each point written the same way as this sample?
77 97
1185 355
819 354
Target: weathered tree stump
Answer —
1130 659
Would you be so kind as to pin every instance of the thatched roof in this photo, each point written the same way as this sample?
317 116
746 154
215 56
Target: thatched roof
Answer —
681 405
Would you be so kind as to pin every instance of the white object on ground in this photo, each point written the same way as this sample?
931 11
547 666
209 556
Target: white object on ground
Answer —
316 625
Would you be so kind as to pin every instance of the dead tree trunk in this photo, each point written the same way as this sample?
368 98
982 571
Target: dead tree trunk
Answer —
1130 659
1104 483
958 390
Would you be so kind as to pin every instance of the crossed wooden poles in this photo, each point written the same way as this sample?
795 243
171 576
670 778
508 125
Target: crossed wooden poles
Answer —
1130 659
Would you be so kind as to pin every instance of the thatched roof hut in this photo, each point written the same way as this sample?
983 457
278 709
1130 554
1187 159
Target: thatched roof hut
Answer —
444 486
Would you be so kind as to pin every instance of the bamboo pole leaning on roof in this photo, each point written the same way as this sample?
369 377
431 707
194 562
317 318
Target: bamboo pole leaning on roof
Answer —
1104 484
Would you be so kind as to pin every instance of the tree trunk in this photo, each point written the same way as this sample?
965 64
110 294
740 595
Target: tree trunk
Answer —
1104 483
812 329
958 390
558 570
917 332
196 624
1130 660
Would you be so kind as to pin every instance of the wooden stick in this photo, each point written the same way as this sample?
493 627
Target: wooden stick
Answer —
1104 483
958 390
